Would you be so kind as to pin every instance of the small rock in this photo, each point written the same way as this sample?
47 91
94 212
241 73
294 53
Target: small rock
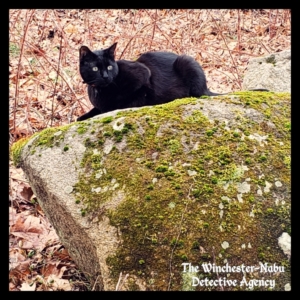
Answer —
225 245
192 173
287 287
68 189
278 184
284 242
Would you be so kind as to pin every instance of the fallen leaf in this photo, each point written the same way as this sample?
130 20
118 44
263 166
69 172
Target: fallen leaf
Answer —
12 287
38 51
53 75
71 28
27 224
21 270
26 82
35 232
62 254
34 240
26 192
12 216
27 287
32 224
15 257
50 269
59 284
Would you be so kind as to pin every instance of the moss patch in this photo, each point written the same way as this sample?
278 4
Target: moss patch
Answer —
16 150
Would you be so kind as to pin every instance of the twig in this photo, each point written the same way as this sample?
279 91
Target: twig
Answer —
177 238
16 18
56 80
287 15
236 51
86 20
121 281
262 44
239 30
163 34
59 71
27 115
19 67
233 61
270 24
147 25
213 250
95 283
43 27
14 178
70 114
153 32
124 280
66 40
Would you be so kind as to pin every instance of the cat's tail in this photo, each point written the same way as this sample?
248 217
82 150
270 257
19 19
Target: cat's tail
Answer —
209 93
193 76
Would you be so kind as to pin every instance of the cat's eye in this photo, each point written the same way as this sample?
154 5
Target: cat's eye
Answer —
95 69
109 68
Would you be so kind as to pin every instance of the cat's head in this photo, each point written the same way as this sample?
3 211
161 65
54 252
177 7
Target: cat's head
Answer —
98 68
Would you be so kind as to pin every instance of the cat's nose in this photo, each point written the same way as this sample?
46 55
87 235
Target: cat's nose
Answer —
105 74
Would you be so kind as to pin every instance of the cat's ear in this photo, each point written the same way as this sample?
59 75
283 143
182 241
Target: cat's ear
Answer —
111 50
83 51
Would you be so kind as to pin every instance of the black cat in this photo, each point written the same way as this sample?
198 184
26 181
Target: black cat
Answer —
154 78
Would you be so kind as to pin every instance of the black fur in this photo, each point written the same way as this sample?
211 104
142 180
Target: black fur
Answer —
154 78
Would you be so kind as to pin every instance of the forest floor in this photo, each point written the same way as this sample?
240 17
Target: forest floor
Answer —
46 90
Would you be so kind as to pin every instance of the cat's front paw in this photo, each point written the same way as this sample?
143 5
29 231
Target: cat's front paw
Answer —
81 118
93 112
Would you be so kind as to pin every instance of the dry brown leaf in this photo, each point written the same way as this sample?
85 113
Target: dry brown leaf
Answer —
20 133
36 241
37 207
27 224
12 286
13 78
15 257
17 176
53 75
27 287
32 224
26 192
39 51
232 45
71 29
35 232
26 82
21 269
18 223
42 94
12 216
52 249
50 269
62 254
59 284
33 120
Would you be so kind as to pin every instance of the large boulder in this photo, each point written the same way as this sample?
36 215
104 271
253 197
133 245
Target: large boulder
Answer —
165 193
272 72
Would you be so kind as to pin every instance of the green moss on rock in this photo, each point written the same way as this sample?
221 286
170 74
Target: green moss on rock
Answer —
16 150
